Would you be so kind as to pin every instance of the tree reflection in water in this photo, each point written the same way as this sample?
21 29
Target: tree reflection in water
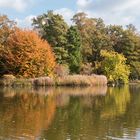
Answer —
25 113
69 113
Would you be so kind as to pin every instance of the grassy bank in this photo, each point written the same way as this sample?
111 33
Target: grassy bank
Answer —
70 80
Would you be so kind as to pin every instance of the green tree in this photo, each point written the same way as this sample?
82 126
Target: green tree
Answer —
114 66
116 34
127 42
94 37
85 26
131 51
100 41
53 28
74 49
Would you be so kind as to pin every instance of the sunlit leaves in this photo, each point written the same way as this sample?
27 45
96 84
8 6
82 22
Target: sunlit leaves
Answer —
114 66
25 54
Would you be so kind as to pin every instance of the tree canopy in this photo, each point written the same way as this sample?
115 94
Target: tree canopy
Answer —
53 28
26 54
86 45
74 49
114 66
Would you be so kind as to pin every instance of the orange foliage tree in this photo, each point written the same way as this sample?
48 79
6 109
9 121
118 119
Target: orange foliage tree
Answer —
26 54
6 28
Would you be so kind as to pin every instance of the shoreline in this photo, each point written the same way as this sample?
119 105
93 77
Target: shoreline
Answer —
65 81
70 80
134 82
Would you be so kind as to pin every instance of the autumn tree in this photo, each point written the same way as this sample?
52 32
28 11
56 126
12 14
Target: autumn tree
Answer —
6 28
114 66
53 28
26 54
94 37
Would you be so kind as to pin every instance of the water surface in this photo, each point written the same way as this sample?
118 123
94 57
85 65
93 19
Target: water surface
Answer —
93 113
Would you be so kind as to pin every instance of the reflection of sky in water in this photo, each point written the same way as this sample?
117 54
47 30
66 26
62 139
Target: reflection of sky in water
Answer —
138 134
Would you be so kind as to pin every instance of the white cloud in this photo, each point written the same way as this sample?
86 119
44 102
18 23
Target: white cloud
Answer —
66 13
26 22
121 12
85 4
113 12
18 5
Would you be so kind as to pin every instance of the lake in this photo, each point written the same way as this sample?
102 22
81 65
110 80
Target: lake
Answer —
64 113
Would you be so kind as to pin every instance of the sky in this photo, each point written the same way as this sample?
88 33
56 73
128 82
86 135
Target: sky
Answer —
120 12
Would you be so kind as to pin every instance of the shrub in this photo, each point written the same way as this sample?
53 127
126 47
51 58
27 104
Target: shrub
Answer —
61 70
26 54
114 67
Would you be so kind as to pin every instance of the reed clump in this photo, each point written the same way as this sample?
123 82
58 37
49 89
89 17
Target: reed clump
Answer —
81 80
69 80
7 80
42 81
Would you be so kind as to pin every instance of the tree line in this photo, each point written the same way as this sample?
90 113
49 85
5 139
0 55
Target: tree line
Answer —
88 46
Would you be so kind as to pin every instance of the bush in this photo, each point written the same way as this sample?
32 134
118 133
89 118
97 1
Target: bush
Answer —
114 67
61 70
26 54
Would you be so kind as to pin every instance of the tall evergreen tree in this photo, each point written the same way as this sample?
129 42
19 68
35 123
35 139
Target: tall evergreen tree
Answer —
74 49
85 26
53 28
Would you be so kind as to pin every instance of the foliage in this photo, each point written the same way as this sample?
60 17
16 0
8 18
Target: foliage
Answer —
6 28
114 66
86 69
86 47
94 37
53 28
131 51
100 41
74 49
85 26
127 42
25 54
